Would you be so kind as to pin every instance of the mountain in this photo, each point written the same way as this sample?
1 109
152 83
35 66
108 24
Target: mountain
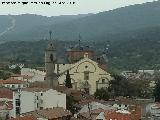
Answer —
90 26
30 27
111 23
104 25
129 36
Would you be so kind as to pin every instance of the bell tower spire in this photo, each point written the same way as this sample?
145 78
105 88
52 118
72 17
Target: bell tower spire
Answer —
50 60
50 35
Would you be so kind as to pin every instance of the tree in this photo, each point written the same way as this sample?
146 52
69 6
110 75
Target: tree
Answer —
70 104
119 86
102 94
68 80
16 70
157 91
4 75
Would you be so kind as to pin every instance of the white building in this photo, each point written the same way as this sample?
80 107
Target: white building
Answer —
85 73
14 83
36 75
29 99
153 110
40 98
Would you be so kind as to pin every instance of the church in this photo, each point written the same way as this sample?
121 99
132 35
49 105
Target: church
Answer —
86 74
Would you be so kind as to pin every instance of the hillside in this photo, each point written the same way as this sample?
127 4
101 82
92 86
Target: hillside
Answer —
133 35
105 24
30 27
142 51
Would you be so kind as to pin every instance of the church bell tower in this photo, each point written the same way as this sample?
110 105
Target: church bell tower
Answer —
50 60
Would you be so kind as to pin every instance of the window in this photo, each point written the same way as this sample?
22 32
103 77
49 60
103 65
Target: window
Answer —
17 102
86 66
17 110
13 86
19 86
37 105
51 57
37 97
86 75
41 94
103 80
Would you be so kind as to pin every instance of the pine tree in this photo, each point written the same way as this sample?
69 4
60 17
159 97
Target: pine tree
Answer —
157 91
68 80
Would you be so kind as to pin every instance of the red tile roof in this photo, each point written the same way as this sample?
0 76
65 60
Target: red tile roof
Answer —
24 76
92 114
11 81
16 75
6 93
135 114
50 113
36 89
117 116
24 118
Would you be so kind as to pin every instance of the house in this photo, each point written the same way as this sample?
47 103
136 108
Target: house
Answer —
91 115
133 113
55 113
26 78
33 74
14 84
113 115
85 75
153 110
40 98
95 105
14 103
93 111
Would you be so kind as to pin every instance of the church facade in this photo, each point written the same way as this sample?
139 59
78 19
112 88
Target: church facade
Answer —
85 75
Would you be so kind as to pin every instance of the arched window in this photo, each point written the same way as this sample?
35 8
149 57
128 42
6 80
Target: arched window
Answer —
51 57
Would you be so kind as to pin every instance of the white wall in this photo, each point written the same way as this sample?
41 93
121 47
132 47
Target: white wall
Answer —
52 98
27 100
13 111
37 74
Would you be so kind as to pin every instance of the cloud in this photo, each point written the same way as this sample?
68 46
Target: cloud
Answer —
80 7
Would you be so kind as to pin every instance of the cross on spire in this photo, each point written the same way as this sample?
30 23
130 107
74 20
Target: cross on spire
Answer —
79 41
50 35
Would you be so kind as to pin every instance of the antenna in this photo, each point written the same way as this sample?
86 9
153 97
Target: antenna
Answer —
79 41
50 35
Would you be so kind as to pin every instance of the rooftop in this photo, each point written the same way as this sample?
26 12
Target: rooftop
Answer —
51 113
36 89
6 93
11 81
24 118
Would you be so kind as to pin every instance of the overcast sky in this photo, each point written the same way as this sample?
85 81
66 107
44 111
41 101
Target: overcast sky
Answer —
80 7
